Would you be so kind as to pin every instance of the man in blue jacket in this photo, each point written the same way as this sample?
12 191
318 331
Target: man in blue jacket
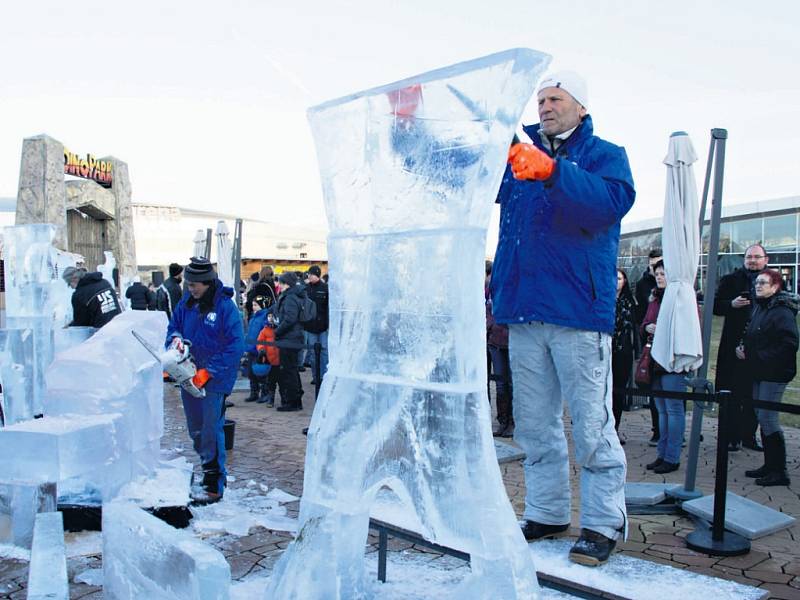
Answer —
208 318
562 199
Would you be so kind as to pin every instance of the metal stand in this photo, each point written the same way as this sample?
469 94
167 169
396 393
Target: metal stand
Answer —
717 541
716 159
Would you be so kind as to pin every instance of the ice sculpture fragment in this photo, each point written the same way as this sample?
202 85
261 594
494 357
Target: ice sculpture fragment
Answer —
16 374
19 505
410 172
143 557
47 573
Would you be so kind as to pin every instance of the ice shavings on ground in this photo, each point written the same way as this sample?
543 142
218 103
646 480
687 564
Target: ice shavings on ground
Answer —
90 577
168 486
10 551
83 543
409 576
242 509
635 578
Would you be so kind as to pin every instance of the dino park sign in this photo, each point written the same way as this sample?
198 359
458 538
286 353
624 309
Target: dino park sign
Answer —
88 167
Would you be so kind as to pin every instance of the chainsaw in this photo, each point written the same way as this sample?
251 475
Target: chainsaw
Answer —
177 362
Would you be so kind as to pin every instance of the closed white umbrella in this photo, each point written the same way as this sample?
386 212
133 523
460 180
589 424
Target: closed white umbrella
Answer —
678 344
224 254
199 241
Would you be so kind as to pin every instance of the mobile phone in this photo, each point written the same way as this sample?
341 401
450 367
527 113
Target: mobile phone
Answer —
745 294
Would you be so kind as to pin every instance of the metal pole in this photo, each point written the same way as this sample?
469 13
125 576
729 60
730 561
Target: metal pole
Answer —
207 251
706 181
237 258
719 136
719 542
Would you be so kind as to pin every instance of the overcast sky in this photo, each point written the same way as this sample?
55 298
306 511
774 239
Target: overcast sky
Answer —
206 100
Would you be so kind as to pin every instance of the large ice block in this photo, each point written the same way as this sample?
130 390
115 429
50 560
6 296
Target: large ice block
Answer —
57 448
19 505
143 557
16 374
410 172
112 372
47 573
69 337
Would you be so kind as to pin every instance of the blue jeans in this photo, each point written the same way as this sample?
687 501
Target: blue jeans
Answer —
205 420
671 416
501 368
322 338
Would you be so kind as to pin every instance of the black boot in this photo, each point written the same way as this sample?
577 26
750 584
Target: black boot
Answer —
503 416
592 548
775 460
254 389
533 530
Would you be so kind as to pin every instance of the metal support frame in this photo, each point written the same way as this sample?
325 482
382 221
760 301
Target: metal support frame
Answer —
207 251
237 259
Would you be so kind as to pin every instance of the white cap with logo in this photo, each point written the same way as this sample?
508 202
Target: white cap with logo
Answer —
570 82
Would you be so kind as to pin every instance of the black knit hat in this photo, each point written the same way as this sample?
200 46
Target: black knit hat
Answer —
175 269
315 270
288 278
199 269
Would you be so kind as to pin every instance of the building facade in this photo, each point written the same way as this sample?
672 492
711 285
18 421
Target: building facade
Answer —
773 223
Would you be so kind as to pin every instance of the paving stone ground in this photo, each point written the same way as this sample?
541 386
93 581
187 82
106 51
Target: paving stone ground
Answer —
270 449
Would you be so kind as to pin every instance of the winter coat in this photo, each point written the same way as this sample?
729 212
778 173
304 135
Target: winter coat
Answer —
254 327
557 251
168 295
729 372
287 311
771 339
217 337
94 302
622 342
139 296
644 287
318 292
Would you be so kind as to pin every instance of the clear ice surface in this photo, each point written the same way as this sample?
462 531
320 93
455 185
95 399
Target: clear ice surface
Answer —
35 297
16 374
143 557
61 447
410 172
19 505
47 573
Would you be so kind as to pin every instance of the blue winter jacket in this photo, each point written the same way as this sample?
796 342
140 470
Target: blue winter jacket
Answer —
217 337
557 251
254 327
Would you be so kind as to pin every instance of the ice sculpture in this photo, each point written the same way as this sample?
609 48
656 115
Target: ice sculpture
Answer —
16 373
410 172
34 295
143 557
47 574
19 505
107 268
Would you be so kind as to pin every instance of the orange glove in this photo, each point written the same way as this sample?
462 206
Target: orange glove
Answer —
201 378
528 162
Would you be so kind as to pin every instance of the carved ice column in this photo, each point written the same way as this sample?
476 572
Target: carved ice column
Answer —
410 172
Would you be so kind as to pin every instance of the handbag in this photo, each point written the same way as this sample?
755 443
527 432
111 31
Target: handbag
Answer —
644 368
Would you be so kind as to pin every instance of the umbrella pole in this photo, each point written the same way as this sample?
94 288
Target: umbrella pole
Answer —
207 251
237 259
716 156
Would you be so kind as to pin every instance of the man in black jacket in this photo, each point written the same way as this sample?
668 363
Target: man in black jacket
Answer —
170 292
139 295
733 301
317 330
94 302
289 336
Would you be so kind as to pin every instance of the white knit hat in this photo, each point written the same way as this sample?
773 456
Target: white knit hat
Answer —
570 82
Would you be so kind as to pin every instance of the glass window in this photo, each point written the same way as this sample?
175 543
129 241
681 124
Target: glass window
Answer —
745 233
779 234
724 237
624 247
642 244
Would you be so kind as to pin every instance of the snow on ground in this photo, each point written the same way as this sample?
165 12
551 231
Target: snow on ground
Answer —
243 508
410 576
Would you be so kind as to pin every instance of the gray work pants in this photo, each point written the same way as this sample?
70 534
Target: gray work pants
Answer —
550 363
